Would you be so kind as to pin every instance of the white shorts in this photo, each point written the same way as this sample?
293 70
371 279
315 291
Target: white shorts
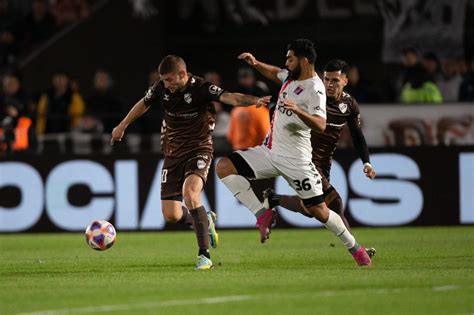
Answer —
301 175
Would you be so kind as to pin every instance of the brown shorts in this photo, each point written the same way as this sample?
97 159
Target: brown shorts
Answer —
324 178
176 170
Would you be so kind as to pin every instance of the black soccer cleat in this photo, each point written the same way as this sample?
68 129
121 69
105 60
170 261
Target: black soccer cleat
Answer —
270 198
371 252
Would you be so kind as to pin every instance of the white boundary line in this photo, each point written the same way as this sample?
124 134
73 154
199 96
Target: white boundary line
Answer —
233 298
150 305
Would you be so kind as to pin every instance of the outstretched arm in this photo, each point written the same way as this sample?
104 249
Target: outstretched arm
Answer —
137 110
238 99
268 71
360 144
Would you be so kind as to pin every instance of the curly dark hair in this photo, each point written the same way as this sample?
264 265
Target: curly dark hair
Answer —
303 48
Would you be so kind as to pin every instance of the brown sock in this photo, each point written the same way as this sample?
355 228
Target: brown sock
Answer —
293 203
187 218
201 229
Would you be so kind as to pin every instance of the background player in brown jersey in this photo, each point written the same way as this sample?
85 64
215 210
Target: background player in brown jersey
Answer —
341 109
189 119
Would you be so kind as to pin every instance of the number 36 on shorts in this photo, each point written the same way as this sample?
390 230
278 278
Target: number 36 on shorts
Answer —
302 184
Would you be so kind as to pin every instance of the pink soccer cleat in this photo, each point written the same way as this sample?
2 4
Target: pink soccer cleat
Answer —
362 258
264 224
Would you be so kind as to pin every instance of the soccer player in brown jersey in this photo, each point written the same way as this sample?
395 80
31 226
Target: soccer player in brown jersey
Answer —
189 119
341 108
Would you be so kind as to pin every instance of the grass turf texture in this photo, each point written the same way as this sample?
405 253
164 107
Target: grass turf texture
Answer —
416 271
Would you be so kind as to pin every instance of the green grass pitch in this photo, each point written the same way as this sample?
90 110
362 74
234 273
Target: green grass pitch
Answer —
416 271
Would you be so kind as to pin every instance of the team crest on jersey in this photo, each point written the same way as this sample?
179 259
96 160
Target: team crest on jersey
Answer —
148 94
166 97
214 89
342 107
201 164
187 98
298 90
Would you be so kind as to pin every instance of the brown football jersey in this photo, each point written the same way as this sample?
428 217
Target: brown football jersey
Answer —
345 110
189 115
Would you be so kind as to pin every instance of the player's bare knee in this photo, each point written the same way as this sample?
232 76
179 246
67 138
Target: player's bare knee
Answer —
191 199
225 167
170 216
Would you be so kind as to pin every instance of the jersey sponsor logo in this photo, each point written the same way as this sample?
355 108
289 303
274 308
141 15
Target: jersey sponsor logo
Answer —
299 89
201 164
284 110
187 98
183 115
214 89
342 107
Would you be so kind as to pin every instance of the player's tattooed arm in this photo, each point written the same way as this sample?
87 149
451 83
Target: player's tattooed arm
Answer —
238 99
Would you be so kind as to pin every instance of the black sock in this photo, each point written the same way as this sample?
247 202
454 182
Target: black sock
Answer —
187 218
204 252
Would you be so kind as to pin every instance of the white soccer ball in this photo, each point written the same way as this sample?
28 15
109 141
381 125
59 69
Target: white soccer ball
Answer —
100 235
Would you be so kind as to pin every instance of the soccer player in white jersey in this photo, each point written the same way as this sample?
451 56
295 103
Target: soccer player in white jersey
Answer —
301 107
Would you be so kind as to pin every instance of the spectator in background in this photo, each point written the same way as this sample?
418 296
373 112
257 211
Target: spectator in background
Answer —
247 83
60 109
12 94
39 24
419 88
398 75
89 123
432 66
222 110
248 127
10 33
102 103
357 87
410 57
450 82
466 91
17 133
68 12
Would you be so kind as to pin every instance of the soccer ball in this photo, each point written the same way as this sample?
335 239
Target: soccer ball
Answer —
100 235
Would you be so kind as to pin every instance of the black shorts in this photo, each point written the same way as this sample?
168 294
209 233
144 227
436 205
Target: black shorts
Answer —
176 170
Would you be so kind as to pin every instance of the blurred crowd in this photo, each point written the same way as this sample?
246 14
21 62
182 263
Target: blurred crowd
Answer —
427 79
26 24
63 108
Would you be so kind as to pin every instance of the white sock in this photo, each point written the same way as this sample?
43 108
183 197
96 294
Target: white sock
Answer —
336 225
241 189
